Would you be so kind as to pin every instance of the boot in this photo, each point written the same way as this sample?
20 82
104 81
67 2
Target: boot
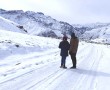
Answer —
73 67
64 66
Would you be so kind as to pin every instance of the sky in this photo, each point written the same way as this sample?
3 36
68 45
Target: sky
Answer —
71 11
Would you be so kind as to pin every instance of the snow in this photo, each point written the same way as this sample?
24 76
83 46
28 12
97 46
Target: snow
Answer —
30 62
36 23
9 25
100 35
34 65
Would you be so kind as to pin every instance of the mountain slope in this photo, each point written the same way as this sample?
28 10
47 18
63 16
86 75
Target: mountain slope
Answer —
11 26
101 35
14 40
37 23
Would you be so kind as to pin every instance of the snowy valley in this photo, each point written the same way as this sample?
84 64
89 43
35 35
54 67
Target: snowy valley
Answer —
29 61
36 23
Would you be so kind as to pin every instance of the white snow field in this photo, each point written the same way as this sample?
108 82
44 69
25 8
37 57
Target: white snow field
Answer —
33 63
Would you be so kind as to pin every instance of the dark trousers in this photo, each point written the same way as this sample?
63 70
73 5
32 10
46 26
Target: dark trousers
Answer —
73 57
63 60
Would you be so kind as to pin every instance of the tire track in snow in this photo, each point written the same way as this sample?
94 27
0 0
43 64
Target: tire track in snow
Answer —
89 74
71 75
51 53
49 80
29 76
88 64
77 76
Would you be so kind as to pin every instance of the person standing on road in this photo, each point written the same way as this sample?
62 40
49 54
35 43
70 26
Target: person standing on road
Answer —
64 46
74 41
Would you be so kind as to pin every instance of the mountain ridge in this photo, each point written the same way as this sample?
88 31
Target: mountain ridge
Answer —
36 23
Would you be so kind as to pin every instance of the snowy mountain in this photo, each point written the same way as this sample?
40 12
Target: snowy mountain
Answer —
41 25
100 34
37 23
94 32
82 28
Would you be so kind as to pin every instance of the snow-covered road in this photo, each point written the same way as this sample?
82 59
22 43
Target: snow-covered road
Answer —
41 71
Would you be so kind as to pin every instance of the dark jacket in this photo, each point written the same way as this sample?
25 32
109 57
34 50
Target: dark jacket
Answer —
64 46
